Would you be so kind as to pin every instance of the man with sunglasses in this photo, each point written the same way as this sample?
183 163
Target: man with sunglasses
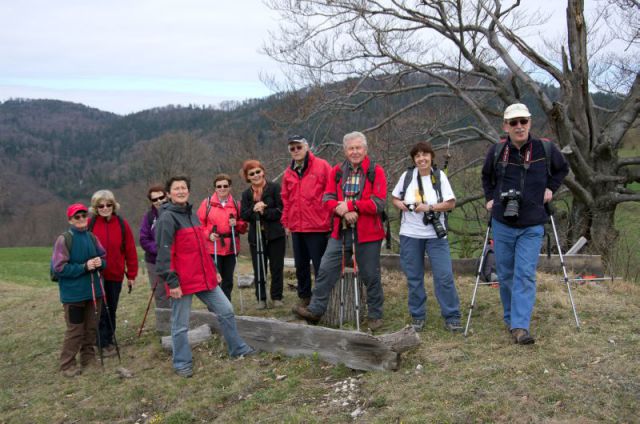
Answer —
520 174
303 214
157 197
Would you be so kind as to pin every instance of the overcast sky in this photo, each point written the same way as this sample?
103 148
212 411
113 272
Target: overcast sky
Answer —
126 56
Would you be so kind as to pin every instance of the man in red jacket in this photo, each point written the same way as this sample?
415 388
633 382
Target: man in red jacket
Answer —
355 194
303 215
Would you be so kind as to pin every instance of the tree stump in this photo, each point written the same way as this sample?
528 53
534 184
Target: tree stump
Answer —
332 316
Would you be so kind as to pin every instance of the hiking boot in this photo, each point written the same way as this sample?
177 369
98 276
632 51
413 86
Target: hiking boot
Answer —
417 324
108 351
278 303
185 373
522 336
72 371
375 323
305 301
304 313
262 304
252 352
454 326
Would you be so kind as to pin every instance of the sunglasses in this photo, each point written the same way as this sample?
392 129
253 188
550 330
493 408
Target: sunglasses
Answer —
223 186
258 172
296 147
157 199
103 206
79 216
521 121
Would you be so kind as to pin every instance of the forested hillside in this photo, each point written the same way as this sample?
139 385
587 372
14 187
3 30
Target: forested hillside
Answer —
54 152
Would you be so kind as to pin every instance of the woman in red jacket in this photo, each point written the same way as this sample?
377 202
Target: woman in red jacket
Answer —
219 213
115 235
185 266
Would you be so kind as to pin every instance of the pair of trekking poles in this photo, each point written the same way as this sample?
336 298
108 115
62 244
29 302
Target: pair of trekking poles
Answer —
550 212
215 256
95 310
355 276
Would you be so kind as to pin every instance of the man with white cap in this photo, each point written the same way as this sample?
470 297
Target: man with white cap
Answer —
520 174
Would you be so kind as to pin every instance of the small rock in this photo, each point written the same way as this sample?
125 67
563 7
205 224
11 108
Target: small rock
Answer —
357 413
280 377
419 367
124 373
612 341
546 371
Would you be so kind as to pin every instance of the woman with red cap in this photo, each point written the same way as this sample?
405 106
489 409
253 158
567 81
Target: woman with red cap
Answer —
77 254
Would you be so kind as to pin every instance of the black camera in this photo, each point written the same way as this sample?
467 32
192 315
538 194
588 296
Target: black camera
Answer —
433 218
511 199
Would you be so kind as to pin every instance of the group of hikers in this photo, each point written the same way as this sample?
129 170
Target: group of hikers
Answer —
331 213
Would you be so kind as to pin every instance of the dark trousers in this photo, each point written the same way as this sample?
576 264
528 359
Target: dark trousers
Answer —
307 248
226 265
107 325
274 261
80 335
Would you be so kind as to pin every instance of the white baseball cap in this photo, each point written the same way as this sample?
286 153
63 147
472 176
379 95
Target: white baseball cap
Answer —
516 110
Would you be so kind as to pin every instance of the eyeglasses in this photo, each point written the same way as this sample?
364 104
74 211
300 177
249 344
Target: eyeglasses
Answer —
103 206
296 147
224 185
521 121
157 199
258 172
79 216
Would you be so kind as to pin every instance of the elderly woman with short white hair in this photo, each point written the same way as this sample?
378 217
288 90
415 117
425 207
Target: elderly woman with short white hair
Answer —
115 235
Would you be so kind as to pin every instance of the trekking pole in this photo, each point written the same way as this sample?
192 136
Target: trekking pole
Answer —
153 291
215 247
235 265
95 310
475 288
106 306
344 229
260 257
355 277
550 211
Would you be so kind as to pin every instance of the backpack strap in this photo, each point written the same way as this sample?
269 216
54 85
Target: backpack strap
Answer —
407 180
435 181
546 145
206 216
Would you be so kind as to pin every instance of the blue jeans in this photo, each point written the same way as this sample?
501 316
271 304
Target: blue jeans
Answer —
307 247
517 251
368 259
412 252
217 303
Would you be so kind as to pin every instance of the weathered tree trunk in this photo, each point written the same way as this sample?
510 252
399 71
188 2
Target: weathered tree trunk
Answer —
355 349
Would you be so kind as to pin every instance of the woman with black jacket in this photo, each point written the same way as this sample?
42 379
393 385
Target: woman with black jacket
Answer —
262 208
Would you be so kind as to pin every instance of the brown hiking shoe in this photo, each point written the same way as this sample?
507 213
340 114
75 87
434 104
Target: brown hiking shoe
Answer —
305 301
375 323
109 351
305 313
72 371
522 336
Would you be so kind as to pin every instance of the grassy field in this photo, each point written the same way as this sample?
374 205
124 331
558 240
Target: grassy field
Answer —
567 376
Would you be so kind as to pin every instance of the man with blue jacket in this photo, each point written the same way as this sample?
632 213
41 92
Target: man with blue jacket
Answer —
520 174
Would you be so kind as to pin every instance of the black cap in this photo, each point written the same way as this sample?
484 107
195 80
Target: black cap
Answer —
296 139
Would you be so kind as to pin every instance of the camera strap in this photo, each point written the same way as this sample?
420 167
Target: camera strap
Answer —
525 165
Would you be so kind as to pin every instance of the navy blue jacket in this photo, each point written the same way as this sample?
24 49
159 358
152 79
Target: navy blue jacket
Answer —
532 211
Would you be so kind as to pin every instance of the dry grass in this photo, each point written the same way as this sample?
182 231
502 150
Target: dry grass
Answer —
567 376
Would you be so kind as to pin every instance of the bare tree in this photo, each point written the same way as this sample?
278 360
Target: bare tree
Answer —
477 56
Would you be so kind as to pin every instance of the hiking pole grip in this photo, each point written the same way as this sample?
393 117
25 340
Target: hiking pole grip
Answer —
549 208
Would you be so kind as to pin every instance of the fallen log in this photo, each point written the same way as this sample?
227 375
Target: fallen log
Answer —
195 336
356 350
